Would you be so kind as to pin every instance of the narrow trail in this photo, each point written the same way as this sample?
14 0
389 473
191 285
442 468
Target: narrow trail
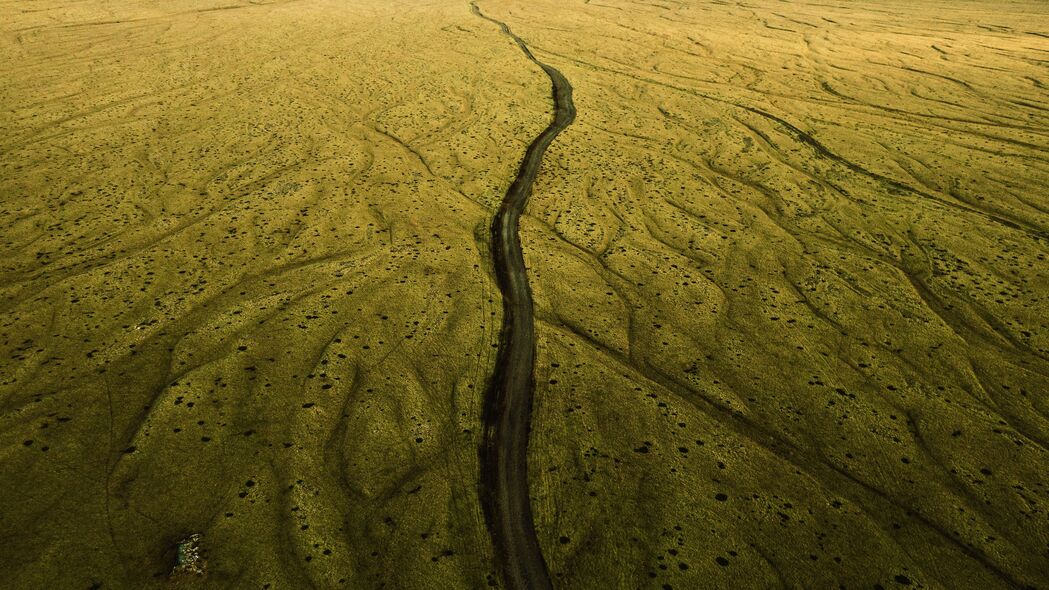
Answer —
508 399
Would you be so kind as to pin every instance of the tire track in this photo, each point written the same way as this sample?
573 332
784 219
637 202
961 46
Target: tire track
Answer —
508 399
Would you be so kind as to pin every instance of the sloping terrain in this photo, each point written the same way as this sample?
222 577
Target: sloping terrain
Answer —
789 266
246 288
790 269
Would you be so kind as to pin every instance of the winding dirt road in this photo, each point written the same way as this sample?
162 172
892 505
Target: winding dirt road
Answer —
508 400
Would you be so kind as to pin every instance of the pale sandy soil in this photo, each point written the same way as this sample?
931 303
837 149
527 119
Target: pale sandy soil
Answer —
789 266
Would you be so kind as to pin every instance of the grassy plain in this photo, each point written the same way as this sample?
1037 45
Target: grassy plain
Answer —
789 266
245 288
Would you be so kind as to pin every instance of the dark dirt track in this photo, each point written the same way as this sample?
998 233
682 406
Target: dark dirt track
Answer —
508 399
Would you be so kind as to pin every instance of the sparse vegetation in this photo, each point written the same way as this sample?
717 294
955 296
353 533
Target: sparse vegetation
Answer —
789 266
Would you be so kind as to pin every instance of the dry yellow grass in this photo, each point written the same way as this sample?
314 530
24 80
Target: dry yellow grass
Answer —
794 254
245 287
789 266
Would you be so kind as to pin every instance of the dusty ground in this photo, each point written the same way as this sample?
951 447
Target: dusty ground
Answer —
789 265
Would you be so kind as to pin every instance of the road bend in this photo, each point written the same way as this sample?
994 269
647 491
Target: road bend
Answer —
508 399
